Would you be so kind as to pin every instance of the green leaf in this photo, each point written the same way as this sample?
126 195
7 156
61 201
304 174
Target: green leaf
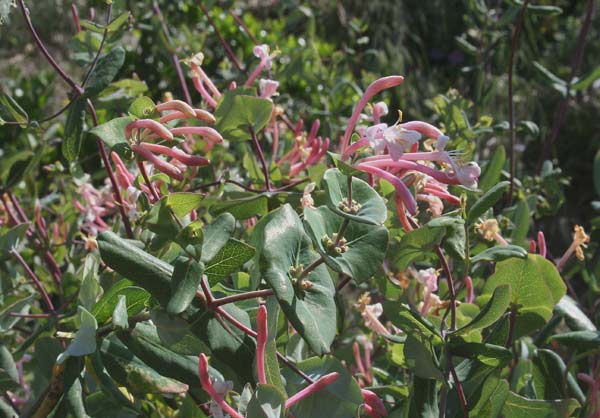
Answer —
488 398
522 220
106 70
416 244
423 399
552 80
340 399
500 253
112 133
550 377
143 108
9 375
85 337
135 264
12 239
371 207
574 316
216 235
117 22
119 316
455 237
242 205
285 246
580 340
488 354
10 110
586 81
420 357
183 203
266 402
493 169
228 260
517 406
486 201
152 351
237 113
490 313
184 283
412 323
73 136
344 168
536 287
19 165
136 299
90 287
19 303
191 238
365 246
131 372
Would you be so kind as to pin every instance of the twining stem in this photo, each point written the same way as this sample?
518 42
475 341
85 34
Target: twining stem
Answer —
451 289
222 40
153 191
240 22
100 48
459 388
48 257
511 326
111 174
261 157
174 58
511 112
76 88
561 110
242 296
218 310
341 284
36 280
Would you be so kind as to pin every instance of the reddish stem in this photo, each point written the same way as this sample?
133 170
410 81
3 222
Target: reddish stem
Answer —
36 280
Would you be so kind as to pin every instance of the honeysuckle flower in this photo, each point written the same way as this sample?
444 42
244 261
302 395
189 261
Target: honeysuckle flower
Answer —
428 278
371 314
318 385
490 230
307 200
374 88
261 343
262 52
373 405
469 287
393 138
208 385
307 150
541 240
580 241
268 88
375 112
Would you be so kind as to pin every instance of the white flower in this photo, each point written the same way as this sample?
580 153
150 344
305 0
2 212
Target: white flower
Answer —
268 88
262 52
395 138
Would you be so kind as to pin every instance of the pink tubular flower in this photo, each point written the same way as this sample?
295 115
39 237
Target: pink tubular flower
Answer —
321 383
541 239
199 114
266 61
208 133
208 386
306 151
267 88
160 164
469 286
374 88
371 314
428 278
261 343
373 404
183 157
179 105
150 125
